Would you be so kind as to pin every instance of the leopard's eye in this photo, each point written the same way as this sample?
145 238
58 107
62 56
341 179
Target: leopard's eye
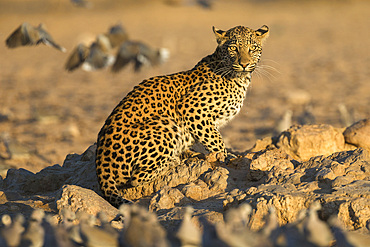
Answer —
232 48
253 48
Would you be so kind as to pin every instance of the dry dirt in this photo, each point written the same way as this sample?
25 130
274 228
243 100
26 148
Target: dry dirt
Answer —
315 63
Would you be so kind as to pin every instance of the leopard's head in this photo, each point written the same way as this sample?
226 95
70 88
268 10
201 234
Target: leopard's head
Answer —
240 48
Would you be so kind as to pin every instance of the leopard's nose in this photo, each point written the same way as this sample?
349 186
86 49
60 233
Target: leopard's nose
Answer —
244 60
244 65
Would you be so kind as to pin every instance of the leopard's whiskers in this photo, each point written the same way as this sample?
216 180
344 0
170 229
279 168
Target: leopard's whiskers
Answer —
268 71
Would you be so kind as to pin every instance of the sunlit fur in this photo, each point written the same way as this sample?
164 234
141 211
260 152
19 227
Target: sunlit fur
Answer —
239 50
162 116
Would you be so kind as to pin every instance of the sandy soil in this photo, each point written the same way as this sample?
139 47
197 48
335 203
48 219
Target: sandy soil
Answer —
315 62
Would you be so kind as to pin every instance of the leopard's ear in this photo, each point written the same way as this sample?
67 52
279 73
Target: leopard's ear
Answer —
220 35
263 33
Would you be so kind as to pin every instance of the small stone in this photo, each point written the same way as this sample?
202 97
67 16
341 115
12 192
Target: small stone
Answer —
12 231
341 181
217 179
315 230
89 154
71 131
4 146
325 173
358 134
355 213
165 198
198 190
298 97
141 228
188 233
267 161
261 144
18 151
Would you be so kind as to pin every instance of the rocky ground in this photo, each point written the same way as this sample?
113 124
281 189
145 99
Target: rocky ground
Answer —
281 191
314 72
314 66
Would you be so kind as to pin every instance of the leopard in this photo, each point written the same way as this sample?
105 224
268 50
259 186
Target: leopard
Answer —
146 133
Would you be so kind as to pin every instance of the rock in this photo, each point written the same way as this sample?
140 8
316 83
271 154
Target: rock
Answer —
217 179
347 117
233 199
16 178
185 173
54 176
235 230
287 207
355 214
353 164
341 181
171 219
77 170
269 229
82 169
80 199
197 190
304 142
94 236
141 228
298 97
319 178
266 161
6 114
70 132
4 146
35 233
358 134
345 238
315 230
237 218
166 198
273 177
188 234
262 144
11 232
285 122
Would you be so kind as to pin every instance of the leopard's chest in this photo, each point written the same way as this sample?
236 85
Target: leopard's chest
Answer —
231 103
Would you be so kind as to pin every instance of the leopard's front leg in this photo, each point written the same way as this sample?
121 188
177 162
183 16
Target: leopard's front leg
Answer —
198 111
206 133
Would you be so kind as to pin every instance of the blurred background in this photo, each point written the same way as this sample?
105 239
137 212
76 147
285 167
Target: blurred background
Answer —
314 68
